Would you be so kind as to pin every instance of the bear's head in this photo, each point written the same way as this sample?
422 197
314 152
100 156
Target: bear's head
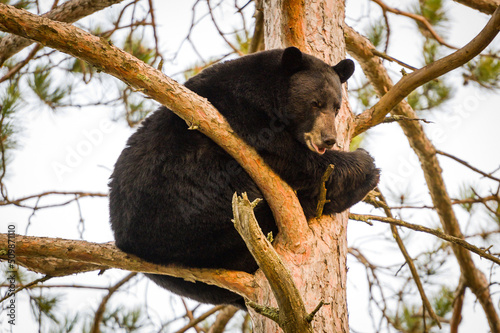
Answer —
314 97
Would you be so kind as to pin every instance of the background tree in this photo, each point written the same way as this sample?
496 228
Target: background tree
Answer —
423 288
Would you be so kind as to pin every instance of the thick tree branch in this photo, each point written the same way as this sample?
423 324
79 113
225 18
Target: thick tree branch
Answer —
485 6
195 110
70 11
292 315
410 82
60 257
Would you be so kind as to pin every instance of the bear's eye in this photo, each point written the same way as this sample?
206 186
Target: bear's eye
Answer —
316 104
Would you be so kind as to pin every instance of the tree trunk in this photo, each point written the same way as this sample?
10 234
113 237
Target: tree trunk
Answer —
320 271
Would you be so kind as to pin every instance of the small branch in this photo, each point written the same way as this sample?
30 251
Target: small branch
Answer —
222 34
458 302
395 118
77 195
102 307
201 318
322 191
310 316
20 64
266 311
257 43
415 17
222 319
27 286
437 233
388 57
467 165
189 314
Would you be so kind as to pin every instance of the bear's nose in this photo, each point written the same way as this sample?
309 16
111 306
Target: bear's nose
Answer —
329 140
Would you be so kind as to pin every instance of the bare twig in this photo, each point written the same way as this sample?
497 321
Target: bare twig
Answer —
416 17
26 286
222 319
20 64
190 316
257 43
437 233
458 302
40 195
467 165
102 306
222 34
322 191
395 118
201 318
388 57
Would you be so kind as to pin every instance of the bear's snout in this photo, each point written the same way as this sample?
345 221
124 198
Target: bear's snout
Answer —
329 140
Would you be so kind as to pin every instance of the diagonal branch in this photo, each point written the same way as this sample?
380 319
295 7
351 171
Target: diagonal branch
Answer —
291 315
102 306
195 110
70 11
375 115
437 233
467 165
415 17
484 6
201 318
60 257
223 317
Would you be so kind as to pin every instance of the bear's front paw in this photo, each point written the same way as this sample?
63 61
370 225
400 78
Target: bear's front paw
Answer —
357 177
370 174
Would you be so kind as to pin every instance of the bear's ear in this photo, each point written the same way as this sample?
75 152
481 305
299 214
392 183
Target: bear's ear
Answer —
344 69
291 60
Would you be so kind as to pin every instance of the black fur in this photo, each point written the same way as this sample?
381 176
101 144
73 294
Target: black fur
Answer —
170 198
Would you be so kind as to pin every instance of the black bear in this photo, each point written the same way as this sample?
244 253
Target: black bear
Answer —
171 190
